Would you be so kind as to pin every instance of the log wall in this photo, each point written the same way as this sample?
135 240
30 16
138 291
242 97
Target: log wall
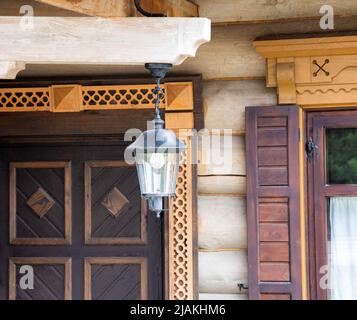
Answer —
234 77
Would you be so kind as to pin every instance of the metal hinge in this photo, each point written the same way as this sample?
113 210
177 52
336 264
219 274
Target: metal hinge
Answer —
311 146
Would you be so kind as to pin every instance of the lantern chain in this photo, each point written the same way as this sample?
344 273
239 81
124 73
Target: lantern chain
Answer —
158 72
159 123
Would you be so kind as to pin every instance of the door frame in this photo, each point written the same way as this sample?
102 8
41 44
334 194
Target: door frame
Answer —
183 108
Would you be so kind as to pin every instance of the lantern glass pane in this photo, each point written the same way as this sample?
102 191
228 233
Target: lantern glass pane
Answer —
158 173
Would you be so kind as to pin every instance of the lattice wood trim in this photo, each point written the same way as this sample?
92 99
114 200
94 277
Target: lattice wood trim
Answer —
24 99
121 97
180 233
75 98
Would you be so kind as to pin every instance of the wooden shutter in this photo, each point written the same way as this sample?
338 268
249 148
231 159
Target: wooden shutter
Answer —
273 202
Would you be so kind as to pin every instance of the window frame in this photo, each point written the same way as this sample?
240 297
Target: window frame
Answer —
318 191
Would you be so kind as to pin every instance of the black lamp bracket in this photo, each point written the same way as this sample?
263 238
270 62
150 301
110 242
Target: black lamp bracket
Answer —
158 72
146 13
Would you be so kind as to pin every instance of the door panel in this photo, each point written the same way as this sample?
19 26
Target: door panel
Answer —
115 212
75 216
40 203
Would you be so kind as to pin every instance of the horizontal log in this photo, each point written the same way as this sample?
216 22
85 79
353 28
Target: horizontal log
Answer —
126 8
222 223
220 157
225 102
230 54
213 296
98 8
237 11
52 40
12 8
171 8
221 272
222 185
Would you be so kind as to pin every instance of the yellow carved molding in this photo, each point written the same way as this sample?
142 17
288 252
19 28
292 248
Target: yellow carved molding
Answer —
177 96
180 234
312 72
286 80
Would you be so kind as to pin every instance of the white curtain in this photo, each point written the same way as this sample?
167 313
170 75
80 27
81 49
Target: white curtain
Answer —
343 248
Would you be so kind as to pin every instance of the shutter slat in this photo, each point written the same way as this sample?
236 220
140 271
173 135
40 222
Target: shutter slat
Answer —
273 202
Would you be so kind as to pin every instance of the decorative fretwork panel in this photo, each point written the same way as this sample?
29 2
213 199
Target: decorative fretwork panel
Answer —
24 99
180 233
75 98
123 97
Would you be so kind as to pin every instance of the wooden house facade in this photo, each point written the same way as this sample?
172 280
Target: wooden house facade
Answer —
275 76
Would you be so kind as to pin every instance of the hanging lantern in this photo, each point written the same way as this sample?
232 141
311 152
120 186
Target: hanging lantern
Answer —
157 154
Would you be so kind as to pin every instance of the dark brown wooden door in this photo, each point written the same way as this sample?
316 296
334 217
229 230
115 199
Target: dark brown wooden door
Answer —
332 192
74 215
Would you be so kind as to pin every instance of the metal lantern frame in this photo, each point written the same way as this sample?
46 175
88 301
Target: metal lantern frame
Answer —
157 153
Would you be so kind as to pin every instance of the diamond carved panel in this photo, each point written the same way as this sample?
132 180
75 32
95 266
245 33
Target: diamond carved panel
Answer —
115 214
40 202
115 202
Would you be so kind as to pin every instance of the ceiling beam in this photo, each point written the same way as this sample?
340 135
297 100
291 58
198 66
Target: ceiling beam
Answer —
126 8
97 8
223 12
96 41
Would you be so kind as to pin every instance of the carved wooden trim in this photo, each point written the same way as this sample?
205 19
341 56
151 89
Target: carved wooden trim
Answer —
312 72
76 98
180 234
89 40
286 80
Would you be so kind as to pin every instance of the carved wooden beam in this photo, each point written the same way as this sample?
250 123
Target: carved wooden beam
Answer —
264 11
312 72
126 8
125 41
97 8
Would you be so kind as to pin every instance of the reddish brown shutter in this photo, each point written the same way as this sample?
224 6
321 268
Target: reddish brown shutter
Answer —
273 202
